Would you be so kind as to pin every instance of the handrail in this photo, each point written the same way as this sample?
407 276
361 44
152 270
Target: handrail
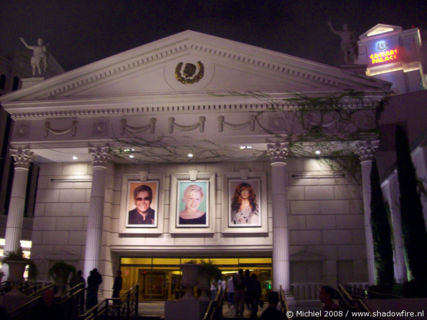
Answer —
38 299
345 298
214 305
28 288
41 290
124 305
356 304
72 292
33 302
344 292
283 304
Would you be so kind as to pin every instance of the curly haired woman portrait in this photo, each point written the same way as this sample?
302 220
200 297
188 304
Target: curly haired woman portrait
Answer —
244 207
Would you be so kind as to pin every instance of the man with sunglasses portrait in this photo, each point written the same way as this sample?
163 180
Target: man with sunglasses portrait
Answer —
142 214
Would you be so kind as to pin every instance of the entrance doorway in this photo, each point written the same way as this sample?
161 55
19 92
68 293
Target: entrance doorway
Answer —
160 278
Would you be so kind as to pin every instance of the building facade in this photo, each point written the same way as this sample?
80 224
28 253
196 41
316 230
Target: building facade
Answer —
198 119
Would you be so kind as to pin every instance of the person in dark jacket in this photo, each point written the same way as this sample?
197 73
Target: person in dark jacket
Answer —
93 282
239 293
117 286
253 293
271 313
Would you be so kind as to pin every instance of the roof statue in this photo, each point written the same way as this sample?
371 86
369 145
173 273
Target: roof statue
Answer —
39 57
348 43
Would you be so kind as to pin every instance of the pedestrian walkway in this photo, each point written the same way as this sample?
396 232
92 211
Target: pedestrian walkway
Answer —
157 309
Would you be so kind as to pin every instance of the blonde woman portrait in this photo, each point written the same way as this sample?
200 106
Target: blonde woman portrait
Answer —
192 198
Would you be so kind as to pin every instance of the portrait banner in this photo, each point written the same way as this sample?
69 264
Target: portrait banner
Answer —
142 204
192 209
244 198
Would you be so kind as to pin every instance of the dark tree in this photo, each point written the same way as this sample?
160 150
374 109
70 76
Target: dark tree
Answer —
411 211
381 232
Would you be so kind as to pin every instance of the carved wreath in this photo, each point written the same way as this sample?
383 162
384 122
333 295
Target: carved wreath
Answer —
189 75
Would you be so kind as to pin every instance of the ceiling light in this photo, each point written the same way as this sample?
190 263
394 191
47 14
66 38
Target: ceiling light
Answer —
126 150
190 155
75 157
317 152
131 156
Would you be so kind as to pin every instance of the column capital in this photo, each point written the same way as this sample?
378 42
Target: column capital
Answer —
100 155
22 157
366 149
278 152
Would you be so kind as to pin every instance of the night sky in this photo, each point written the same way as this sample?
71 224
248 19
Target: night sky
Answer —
78 32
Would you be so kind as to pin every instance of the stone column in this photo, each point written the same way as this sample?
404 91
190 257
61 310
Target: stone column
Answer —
419 158
278 153
392 193
366 152
100 157
22 159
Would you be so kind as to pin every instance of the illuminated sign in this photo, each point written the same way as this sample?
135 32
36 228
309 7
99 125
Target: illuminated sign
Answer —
385 56
381 45
383 53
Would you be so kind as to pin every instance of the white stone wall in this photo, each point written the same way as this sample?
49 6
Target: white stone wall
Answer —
60 217
325 220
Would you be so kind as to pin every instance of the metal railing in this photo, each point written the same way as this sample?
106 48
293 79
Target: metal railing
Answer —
29 310
357 289
347 302
214 310
306 290
28 288
124 307
282 301
63 308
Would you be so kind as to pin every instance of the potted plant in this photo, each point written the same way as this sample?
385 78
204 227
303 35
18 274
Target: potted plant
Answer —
17 263
60 273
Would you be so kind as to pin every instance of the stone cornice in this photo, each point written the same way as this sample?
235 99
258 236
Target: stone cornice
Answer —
205 103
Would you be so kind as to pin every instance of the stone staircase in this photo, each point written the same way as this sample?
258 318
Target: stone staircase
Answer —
154 310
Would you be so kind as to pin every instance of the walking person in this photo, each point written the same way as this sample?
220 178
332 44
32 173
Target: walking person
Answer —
117 286
239 293
214 290
246 280
253 293
230 292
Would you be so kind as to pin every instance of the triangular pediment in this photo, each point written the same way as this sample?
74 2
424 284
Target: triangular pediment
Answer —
192 62
380 29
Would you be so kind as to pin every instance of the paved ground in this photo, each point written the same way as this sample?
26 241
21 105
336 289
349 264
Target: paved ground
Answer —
157 308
